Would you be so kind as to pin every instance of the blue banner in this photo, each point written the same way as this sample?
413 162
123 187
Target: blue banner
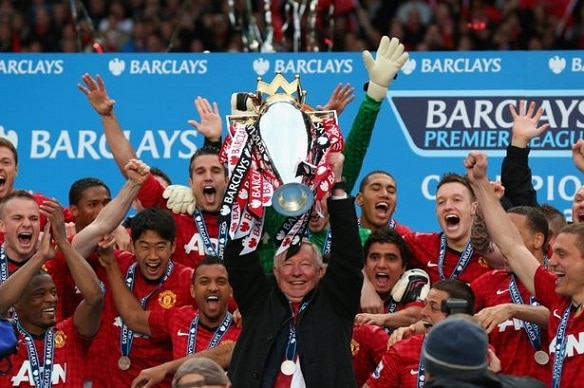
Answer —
441 106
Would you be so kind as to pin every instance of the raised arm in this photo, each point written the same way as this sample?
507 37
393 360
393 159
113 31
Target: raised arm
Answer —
500 228
112 215
97 96
382 69
12 288
87 314
152 376
126 303
515 171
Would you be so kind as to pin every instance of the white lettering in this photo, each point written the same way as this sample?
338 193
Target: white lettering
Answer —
196 244
25 375
314 66
89 144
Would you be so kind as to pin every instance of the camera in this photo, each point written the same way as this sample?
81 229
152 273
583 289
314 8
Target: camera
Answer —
452 306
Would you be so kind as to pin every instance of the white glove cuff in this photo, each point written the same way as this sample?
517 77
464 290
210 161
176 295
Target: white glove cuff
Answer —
376 91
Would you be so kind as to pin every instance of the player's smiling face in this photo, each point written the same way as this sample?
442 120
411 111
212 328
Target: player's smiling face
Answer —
378 201
37 307
211 291
8 171
208 181
153 254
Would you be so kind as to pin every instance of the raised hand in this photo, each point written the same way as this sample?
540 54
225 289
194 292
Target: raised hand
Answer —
54 213
476 165
210 125
105 250
525 123
95 91
342 96
137 171
382 69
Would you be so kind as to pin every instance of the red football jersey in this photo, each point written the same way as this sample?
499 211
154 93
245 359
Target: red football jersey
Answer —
572 370
68 359
367 347
176 323
426 251
190 248
145 353
399 365
509 339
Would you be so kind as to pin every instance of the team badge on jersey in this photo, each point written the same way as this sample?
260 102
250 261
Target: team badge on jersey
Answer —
60 339
167 299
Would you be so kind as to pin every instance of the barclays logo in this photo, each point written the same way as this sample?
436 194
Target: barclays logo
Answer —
116 66
557 64
261 66
10 135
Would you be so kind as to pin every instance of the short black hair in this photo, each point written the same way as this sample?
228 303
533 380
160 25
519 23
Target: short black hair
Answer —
365 179
79 186
388 236
156 220
207 260
205 150
457 290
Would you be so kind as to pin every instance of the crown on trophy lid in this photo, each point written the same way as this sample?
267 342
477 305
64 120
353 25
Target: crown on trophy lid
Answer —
292 91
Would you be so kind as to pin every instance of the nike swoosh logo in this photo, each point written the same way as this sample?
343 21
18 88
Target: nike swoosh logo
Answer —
413 371
181 333
499 292
430 264
556 314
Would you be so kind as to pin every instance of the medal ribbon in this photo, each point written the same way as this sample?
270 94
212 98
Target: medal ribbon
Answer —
292 343
532 330
217 336
463 261
127 335
49 354
202 228
560 349
390 224
3 265
421 376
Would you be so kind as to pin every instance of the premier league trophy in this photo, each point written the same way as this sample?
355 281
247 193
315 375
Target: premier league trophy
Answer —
276 154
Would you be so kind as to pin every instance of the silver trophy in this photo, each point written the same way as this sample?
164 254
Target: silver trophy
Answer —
278 140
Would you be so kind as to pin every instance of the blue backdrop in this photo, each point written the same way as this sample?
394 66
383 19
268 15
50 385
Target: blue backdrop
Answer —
441 106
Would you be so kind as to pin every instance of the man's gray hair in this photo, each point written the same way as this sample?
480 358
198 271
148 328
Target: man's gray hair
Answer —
305 241
212 373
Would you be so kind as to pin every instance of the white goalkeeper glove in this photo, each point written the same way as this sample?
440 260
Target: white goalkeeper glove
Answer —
388 61
180 199
412 286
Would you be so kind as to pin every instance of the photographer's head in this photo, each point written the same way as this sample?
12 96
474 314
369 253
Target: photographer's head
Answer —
456 349
298 272
432 312
200 372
